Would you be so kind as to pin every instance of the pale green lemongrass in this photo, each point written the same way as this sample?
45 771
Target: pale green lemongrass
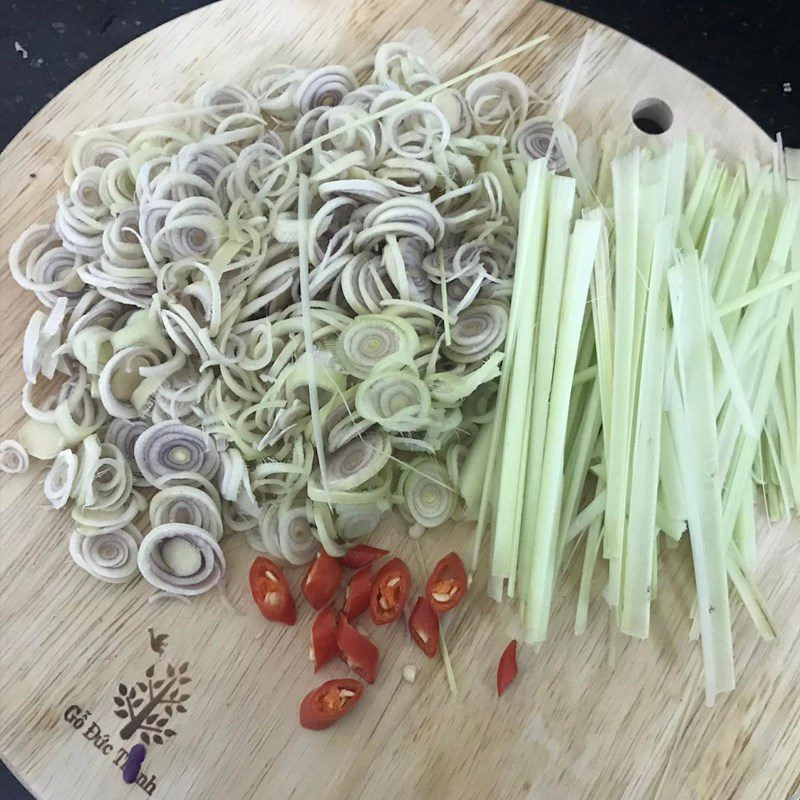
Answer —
700 472
559 222
636 589
511 418
538 595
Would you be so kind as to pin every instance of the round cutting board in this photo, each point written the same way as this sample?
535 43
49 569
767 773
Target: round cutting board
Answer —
75 652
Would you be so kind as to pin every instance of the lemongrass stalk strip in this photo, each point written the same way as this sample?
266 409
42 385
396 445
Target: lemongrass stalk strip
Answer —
734 275
742 578
577 467
744 532
588 515
636 589
763 289
539 582
700 472
591 552
308 335
603 323
559 221
730 373
754 327
625 180
743 458
581 389
670 484
526 286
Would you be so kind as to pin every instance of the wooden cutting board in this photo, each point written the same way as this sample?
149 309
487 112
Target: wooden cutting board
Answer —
570 728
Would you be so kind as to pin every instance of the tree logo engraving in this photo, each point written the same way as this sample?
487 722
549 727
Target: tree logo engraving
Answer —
150 706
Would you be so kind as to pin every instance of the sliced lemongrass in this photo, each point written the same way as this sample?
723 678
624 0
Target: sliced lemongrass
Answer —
13 457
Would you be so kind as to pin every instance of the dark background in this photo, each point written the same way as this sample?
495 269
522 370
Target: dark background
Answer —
747 49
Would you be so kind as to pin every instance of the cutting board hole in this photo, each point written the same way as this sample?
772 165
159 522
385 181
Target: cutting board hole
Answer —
652 115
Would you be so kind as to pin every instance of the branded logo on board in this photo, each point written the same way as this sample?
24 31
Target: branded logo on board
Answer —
150 705
149 708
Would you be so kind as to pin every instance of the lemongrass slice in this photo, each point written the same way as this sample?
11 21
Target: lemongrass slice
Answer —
42 339
296 538
370 339
95 521
123 433
121 377
60 479
396 400
186 505
326 531
170 447
535 138
180 558
110 557
358 461
13 457
358 521
497 99
42 440
234 481
428 497
375 490
478 332
264 538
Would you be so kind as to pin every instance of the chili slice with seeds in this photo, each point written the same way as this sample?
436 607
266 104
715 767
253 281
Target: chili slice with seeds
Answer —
322 706
322 580
356 650
271 591
447 584
423 625
356 596
323 637
389 592
507 668
361 555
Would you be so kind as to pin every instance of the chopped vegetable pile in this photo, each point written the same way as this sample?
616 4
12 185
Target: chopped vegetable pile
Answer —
291 307
650 383
283 308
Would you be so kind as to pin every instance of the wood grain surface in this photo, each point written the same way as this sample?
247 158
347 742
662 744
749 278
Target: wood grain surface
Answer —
571 727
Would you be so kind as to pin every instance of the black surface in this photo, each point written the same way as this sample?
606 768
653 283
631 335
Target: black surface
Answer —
748 49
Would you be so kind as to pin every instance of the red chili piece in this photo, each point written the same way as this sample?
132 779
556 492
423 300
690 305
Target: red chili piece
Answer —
323 637
447 584
361 555
507 668
356 596
271 591
327 703
322 580
389 592
356 650
423 624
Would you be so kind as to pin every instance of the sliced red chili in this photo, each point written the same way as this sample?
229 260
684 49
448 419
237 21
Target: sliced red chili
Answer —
447 584
423 624
507 668
323 637
389 592
356 650
361 555
271 591
322 580
322 706
356 596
